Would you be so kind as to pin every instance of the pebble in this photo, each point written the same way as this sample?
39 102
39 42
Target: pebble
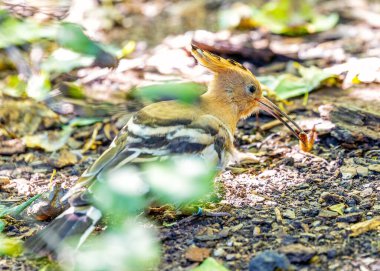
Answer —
350 218
230 257
297 253
348 172
366 192
330 198
269 260
310 212
219 252
362 171
327 214
351 210
375 168
366 204
289 214
316 223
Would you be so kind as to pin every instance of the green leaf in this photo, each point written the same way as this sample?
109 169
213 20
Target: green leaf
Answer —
180 180
10 247
2 225
16 210
71 36
78 122
210 264
38 86
14 86
64 60
16 32
287 17
187 92
288 85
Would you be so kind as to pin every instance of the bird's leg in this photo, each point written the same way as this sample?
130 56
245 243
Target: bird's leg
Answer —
239 157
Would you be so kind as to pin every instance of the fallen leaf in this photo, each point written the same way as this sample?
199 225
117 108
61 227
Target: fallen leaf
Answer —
49 141
288 85
365 226
197 254
65 158
338 208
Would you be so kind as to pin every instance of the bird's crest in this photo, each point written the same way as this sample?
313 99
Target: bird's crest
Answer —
216 63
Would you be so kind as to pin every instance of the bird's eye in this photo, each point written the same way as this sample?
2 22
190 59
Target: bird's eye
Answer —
251 89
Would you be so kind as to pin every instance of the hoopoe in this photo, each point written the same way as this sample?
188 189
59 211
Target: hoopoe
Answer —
205 129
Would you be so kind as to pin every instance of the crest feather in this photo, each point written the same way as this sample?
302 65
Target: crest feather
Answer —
215 63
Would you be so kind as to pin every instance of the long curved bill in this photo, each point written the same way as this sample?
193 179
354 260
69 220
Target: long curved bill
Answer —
271 108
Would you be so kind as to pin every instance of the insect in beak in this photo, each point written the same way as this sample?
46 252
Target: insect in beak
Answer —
266 105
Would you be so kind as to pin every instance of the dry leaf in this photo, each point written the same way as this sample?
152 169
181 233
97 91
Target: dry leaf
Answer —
362 227
197 254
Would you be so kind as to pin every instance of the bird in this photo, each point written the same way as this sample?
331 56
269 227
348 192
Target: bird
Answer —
205 128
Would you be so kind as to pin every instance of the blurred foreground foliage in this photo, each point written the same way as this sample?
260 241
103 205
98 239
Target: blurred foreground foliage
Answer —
286 17
130 242
54 48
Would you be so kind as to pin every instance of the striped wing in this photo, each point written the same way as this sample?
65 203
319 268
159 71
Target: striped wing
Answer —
162 130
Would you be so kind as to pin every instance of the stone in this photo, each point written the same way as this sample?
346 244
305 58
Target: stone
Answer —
348 172
327 214
219 252
269 260
366 192
289 214
230 257
297 253
362 171
330 198
350 218
375 168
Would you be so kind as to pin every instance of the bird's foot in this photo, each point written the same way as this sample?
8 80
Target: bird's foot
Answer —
244 158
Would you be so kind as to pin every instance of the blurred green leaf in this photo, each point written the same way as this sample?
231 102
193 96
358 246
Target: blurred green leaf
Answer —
10 247
16 32
180 180
64 60
288 85
119 197
16 210
210 264
77 122
187 92
131 248
71 36
2 225
287 17
38 86
14 86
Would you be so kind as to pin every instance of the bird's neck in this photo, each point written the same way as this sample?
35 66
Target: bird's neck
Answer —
221 107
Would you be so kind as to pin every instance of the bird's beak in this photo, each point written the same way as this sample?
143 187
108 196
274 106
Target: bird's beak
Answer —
276 112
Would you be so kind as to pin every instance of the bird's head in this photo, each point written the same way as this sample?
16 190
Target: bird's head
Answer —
234 85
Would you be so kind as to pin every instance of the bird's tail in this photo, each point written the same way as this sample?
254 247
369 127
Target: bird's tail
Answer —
77 221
